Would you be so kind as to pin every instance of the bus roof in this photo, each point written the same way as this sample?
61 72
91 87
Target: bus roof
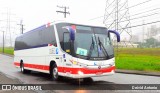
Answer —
80 23
64 21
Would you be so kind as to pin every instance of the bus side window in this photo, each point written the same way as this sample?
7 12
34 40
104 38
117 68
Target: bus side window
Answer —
66 42
49 36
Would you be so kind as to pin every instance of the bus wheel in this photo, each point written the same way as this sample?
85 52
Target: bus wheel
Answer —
24 71
22 67
88 80
54 72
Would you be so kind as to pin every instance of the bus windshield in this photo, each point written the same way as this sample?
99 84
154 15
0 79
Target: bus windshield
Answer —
87 45
91 43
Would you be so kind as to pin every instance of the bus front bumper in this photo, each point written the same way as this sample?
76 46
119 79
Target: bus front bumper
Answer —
84 73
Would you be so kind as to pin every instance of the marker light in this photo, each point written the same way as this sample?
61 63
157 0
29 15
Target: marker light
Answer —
48 24
73 27
80 73
75 63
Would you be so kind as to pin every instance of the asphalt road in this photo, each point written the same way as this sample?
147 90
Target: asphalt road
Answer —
7 67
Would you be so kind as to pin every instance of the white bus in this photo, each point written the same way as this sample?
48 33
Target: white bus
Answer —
66 49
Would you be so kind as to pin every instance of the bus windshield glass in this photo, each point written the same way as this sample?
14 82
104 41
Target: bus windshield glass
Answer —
87 45
92 43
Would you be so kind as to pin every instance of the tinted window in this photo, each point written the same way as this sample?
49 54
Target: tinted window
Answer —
66 43
61 32
48 36
36 38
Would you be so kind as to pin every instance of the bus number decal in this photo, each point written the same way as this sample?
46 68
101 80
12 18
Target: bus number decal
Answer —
81 51
51 51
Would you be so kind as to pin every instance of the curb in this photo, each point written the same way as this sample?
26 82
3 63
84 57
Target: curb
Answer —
7 55
137 72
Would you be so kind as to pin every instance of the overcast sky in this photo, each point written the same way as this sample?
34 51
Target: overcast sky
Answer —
38 12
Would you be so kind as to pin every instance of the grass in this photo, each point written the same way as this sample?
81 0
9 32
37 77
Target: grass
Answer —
7 50
147 59
138 59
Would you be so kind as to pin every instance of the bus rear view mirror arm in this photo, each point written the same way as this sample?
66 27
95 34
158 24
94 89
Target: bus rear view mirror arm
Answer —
116 33
71 32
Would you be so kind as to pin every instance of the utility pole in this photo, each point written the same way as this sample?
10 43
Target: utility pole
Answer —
8 28
143 32
21 26
65 10
117 11
3 41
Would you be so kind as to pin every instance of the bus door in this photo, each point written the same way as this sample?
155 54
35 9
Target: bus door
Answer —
67 50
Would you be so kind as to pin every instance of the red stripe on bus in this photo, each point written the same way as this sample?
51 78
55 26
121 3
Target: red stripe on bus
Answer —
68 69
88 71
35 66
16 64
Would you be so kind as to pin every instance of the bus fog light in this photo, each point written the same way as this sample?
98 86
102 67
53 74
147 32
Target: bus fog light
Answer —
80 73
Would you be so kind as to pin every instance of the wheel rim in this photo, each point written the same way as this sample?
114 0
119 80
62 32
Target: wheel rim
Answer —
55 72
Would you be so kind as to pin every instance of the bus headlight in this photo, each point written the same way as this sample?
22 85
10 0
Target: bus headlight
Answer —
80 73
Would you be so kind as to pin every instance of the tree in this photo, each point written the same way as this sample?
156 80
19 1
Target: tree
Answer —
151 42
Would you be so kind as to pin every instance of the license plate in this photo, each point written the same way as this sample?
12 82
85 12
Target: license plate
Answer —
99 73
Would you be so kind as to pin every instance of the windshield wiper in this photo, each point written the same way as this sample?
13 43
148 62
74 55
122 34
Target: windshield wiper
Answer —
91 49
102 46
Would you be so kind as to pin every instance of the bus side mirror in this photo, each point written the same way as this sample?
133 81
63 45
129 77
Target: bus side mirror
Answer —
71 32
116 33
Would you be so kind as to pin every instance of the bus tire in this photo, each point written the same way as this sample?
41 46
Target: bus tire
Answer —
54 72
88 80
24 71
